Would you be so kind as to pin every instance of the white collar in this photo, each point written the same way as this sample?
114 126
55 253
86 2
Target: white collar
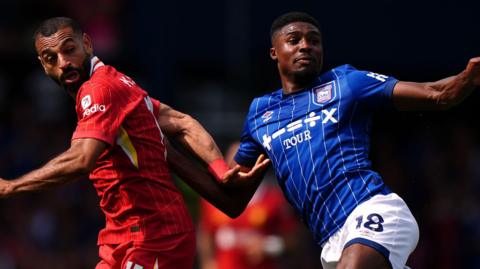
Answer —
95 63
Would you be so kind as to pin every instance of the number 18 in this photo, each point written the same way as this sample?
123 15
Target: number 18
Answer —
374 222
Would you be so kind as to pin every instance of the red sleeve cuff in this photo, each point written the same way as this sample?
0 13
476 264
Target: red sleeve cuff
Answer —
218 168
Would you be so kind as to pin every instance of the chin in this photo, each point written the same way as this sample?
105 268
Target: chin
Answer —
306 76
74 87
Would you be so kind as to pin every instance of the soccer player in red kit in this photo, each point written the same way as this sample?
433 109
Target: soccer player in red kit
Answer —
119 144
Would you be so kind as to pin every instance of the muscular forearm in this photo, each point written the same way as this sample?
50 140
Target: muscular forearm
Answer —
189 132
60 170
451 91
442 94
198 141
230 201
75 163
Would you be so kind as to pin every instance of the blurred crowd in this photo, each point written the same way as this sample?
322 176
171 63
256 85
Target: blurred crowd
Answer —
431 159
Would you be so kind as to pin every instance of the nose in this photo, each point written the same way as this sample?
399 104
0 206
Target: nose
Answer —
305 45
63 62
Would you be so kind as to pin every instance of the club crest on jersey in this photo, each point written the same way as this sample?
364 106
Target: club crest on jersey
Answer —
86 101
267 116
323 93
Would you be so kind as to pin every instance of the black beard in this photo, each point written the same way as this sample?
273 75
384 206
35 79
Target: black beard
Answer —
84 73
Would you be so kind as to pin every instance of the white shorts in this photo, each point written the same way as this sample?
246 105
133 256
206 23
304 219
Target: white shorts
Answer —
384 223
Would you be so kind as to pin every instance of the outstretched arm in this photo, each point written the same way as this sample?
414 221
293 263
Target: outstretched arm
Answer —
75 163
189 132
231 201
191 135
442 94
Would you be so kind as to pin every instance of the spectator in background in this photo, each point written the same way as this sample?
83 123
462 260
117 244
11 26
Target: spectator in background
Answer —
256 239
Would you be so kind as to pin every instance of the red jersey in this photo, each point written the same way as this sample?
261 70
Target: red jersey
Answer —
137 194
267 214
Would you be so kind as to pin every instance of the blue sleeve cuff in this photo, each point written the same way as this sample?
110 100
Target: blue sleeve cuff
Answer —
244 161
389 89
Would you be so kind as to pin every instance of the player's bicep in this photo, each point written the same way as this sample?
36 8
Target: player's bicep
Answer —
413 96
87 150
170 120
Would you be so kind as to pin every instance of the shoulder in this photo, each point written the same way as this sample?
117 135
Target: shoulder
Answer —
101 79
262 102
344 70
108 81
361 77
105 76
354 73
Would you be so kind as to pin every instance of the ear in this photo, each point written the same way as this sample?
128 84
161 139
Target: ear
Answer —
273 54
87 43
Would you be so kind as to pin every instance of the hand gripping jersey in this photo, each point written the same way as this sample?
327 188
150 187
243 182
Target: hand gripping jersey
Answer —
318 142
131 177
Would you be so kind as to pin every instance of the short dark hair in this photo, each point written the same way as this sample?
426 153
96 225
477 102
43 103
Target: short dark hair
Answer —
50 26
294 16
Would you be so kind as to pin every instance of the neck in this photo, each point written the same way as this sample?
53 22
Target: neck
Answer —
90 65
291 85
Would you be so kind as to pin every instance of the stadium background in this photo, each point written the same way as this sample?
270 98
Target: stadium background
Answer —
209 58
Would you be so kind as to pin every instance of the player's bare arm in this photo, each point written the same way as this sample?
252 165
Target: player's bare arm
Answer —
189 132
75 163
442 94
230 201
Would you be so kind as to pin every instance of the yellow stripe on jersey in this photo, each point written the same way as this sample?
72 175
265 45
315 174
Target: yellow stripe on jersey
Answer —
123 140
149 103
155 266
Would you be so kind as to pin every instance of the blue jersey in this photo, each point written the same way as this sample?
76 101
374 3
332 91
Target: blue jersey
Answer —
318 140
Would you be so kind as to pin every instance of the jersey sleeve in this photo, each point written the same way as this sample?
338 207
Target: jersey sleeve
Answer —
249 149
100 112
373 89
156 107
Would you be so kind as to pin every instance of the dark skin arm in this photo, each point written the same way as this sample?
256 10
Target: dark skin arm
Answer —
184 129
189 133
248 185
438 95
230 201
75 163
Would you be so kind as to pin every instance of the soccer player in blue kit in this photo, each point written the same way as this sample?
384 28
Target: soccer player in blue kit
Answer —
315 130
